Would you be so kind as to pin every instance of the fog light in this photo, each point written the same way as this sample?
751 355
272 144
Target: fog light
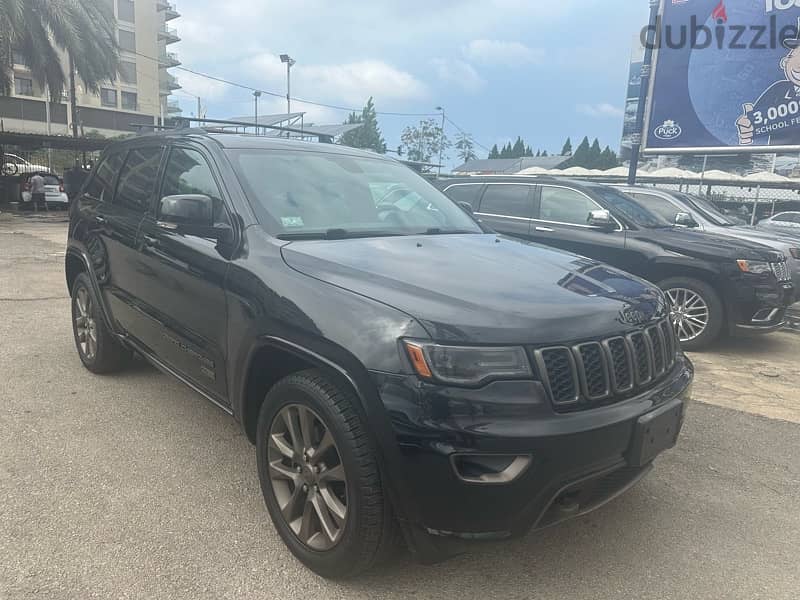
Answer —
489 468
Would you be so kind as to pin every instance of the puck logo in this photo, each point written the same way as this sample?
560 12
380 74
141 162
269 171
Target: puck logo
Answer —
669 130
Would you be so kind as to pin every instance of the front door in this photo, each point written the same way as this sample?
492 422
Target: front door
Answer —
561 221
507 208
184 295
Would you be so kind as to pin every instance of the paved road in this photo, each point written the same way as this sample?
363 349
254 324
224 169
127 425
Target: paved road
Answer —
133 487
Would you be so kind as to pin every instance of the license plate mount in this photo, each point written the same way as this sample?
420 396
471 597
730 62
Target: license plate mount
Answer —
655 432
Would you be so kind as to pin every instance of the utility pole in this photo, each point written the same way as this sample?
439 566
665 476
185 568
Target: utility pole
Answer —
441 140
73 100
636 142
199 116
290 62
47 118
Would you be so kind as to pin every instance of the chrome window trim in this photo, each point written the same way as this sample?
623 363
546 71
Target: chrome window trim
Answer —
585 195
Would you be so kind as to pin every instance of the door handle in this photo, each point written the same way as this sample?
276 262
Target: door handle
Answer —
166 225
544 229
151 242
100 220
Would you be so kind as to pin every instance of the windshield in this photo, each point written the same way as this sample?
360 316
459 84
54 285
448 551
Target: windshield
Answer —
630 208
301 194
708 210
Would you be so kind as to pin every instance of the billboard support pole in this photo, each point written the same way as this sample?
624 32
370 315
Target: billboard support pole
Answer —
702 175
636 142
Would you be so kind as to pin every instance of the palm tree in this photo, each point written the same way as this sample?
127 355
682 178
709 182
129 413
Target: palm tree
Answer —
38 29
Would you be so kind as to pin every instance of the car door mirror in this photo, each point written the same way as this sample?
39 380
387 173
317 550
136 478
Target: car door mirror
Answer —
683 219
601 219
466 206
192 214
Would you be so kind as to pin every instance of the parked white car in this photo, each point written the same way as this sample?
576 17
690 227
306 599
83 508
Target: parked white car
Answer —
16 165
54 195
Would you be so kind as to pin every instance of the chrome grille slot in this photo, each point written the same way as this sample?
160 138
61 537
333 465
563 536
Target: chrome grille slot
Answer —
781 270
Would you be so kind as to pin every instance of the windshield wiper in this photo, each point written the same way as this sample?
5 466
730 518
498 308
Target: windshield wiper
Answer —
334 234
440 231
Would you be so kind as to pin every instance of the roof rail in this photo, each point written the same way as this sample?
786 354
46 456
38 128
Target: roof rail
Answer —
219 125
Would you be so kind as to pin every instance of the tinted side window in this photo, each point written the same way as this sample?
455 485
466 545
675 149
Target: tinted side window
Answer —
100 187
137 182
658 205
507 200
562 205
787 218
188 173
465 193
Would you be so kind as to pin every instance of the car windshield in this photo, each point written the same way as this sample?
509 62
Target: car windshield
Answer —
306 195
630 208
708 210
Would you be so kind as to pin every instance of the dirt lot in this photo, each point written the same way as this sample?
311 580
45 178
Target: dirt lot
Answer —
133 487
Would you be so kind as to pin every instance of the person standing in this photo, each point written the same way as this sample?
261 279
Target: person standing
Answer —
37 191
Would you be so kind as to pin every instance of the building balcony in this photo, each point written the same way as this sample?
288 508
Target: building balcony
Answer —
168 35
168 8
168 60
174 108
168 82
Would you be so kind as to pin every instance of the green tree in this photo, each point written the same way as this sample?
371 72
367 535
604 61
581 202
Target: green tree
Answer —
368 136
582 155
567 149
538 153
518 150
39 29
424 141
544 153
528 151
494 153
465 147
595 154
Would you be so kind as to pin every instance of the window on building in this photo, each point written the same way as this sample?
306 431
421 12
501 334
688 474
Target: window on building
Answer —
18 58
108 97
127 71
23 87
562 205
129 101
126 11
137 181
188 173
507 200
127 40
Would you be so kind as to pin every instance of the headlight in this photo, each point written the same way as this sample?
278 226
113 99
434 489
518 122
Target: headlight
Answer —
795 252
756 267
469 366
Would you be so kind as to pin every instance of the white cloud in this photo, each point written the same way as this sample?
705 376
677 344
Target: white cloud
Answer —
459 73
501 52
600 110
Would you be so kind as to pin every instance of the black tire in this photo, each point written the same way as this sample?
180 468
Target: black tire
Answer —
369 533
716 310
107 354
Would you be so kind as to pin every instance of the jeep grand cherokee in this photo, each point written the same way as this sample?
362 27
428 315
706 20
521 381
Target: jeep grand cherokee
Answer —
398 368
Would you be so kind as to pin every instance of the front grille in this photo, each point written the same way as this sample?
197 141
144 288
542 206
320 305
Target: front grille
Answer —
603 371
781 270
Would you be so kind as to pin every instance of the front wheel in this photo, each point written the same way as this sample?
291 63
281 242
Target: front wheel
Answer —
320 478
696 311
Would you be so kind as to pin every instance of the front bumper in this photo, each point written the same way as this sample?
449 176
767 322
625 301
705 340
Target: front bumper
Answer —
578 460
758 307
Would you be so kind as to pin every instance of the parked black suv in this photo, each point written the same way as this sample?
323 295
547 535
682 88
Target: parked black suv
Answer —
397 367
714 283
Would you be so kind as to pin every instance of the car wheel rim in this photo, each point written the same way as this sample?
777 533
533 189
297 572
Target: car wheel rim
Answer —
689 313
307 477
85 325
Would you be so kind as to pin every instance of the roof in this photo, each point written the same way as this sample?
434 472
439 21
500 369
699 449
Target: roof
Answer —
510 165
267 119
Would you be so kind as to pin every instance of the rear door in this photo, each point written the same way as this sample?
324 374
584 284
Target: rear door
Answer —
560 221
183 281
507 208
465 192
121 219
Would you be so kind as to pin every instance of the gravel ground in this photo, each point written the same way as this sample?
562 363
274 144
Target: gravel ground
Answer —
132 486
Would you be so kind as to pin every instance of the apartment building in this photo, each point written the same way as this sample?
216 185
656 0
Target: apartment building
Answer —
140 94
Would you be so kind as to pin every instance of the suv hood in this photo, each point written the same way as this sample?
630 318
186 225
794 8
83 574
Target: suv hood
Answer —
484 288
706 245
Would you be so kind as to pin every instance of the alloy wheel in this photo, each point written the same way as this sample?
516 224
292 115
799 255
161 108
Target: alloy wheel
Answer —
689 313
307 476
85 325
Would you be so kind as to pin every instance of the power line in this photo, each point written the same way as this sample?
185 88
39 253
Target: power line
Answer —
278 95
477 143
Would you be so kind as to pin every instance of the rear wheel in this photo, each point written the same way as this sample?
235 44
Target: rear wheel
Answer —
696 310
320 478
99 350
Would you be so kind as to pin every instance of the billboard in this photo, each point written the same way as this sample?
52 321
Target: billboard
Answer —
726 76
629 127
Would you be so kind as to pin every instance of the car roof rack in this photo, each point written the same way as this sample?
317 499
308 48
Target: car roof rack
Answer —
220 125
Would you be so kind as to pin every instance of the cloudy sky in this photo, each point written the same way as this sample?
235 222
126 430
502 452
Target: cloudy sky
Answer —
543 69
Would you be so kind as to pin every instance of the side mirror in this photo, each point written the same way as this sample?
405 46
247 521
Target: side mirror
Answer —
192 214
601 219
683 219
466 206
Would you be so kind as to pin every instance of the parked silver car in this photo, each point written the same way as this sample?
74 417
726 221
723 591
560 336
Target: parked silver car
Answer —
785 222
688 210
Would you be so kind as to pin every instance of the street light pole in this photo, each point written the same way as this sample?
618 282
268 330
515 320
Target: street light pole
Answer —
256 96
441 140
290 62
